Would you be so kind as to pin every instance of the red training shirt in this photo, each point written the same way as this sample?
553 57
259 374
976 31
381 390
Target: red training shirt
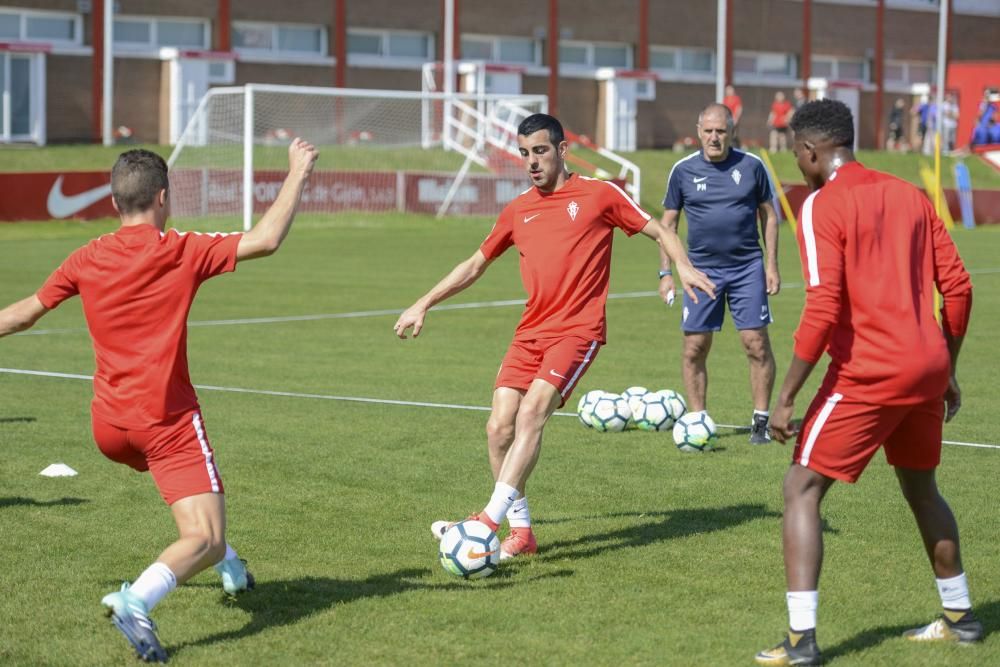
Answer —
564 238
780 114
137 286
872 252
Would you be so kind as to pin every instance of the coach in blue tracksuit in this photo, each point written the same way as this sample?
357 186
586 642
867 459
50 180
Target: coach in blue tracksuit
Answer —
724 191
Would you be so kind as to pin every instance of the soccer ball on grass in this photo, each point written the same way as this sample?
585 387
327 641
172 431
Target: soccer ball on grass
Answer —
469 549
610 413
695 432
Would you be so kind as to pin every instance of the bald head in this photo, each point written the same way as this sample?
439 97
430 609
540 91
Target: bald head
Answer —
719 111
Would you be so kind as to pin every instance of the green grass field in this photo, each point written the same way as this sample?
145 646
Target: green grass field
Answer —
647 556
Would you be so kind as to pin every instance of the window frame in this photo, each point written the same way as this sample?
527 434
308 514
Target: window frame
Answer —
153 45
790 58
678 72
275 48
494 42
383 57
589 47
24 14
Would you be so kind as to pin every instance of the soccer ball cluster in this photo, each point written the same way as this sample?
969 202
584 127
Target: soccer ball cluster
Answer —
638 407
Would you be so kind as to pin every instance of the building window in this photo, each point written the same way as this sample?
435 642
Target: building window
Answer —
595 54
391 45
907 73
674 60
769 65
285 39
509 50
839 69
39 26
140 33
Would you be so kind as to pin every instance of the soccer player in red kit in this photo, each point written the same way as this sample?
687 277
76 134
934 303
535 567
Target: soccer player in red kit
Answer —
872 252
562 227
137 285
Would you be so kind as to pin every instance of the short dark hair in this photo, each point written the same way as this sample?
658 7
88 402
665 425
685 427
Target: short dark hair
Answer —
542 121
136 180
827 119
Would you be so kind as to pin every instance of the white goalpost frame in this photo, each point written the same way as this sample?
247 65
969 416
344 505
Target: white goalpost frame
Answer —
463 131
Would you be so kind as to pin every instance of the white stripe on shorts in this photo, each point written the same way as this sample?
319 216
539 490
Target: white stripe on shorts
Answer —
817 426
579 371
213 475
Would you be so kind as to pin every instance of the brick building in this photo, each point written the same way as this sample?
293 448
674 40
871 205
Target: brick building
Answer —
48 52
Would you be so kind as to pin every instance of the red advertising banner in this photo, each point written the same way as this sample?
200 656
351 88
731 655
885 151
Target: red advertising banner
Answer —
212 192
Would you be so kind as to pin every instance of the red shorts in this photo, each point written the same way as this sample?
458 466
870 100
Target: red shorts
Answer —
839 436
561 362
176 453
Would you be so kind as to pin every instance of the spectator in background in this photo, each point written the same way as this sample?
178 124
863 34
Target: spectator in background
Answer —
919 113
949 122
799 98
894 142
988 129
777 122
930 127
733 102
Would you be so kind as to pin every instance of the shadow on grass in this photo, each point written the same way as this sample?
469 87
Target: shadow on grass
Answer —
656 527
17 420
14 501
285 602
988 613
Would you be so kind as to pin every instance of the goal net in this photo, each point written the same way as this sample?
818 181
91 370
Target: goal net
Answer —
380 150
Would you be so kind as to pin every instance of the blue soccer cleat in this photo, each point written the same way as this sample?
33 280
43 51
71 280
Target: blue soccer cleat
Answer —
129 615
235 576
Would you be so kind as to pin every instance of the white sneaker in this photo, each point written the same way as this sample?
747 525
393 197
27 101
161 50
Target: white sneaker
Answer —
439 528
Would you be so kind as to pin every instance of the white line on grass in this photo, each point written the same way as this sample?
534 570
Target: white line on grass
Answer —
381 401
388 311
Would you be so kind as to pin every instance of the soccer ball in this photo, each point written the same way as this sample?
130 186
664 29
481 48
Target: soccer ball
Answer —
610 413
695 432
469 549
632 396
585 408
652 412
674 402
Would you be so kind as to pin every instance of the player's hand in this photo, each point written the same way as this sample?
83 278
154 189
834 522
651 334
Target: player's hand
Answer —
773 280
952 399
691 278
411 317
301 157
782 426
667 290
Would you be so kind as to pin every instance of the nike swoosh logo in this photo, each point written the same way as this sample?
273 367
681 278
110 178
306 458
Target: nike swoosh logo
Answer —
62 206
558 376
699 180
527 220
473 555
764 316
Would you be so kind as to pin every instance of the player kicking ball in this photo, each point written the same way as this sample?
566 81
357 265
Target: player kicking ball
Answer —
137 285
562 227
873 251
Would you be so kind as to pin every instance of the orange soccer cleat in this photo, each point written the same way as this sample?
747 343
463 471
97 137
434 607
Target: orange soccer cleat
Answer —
520 541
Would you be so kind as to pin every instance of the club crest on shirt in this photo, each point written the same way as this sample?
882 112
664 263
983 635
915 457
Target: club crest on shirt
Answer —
573 209
737 176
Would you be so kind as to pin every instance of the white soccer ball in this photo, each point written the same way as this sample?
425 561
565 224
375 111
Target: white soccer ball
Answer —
632 396
674 402
610 414
695 432
652 412
585 406
469 549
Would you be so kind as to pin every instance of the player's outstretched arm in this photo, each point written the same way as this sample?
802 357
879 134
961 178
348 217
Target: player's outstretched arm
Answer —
690 277
266 236
666 289
21 315
460 277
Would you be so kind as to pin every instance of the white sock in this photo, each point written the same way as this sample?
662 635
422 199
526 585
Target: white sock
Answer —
802 609
154 584
518 515
762 413
501 500
954 592
230 553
